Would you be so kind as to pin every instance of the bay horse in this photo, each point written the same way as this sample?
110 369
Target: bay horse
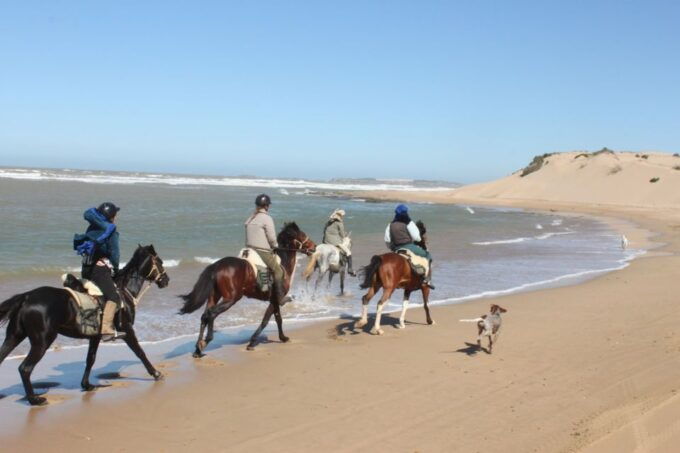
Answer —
43 313
321 260
391 271
225 282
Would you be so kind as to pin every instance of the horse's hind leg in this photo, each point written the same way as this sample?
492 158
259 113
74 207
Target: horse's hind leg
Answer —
213 313
133 343
205 318
404 307
12 340
279 324
387 293
91 356
39 345
265 320
364 307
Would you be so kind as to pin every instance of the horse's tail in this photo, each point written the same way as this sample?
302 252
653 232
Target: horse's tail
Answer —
9 307
202 289
369 271
309 270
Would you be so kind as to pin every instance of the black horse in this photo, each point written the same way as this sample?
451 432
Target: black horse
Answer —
44 312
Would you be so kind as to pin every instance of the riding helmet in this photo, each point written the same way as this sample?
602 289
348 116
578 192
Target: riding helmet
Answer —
108 210
401 209
263 200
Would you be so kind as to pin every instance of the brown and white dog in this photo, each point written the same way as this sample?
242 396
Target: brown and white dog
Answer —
489 325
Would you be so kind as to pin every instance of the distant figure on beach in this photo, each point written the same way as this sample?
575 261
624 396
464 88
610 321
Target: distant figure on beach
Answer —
101 259
261 237
334 234
624 242
403 233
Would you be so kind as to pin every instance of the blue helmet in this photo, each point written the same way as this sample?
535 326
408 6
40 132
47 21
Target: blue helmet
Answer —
401 209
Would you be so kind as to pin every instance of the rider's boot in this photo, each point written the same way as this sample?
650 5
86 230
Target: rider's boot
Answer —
280 293
350 270
108 330
428 278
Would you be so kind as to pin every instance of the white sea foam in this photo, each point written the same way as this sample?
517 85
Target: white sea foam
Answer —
205 259
178 180
556 222
470 210
523 239
539 226
283 192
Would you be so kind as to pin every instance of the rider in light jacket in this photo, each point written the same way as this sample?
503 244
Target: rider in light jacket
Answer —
334 234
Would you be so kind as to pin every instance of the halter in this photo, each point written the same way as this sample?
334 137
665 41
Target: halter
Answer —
301 247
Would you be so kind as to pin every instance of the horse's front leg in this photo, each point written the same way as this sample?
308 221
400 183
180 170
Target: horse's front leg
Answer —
133 343
265 320
342 281
404 307
426 297
89 363
279 324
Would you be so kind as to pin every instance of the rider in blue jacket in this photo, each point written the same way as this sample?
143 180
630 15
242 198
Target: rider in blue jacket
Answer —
101 259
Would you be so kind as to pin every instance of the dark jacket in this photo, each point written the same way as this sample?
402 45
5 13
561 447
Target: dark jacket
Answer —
104 236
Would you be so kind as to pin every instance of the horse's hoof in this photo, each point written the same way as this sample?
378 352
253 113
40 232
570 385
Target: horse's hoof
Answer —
361 323
37 400
431 322
157 376
250 347
401 326
284 339
375 331
87 387
197 354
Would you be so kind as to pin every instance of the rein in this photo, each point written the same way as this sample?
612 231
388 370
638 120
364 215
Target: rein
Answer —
300 248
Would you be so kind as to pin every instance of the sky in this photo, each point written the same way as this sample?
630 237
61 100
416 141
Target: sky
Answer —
462 91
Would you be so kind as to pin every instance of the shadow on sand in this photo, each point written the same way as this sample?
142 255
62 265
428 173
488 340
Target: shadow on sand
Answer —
472 349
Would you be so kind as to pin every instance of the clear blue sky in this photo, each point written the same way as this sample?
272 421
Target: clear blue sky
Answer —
462 91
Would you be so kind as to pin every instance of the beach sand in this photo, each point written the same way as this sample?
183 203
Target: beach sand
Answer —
592 367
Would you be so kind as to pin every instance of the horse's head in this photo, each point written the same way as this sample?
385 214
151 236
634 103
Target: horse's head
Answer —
347 242
292 237
150 265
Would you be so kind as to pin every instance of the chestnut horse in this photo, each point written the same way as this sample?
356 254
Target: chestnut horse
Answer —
226 281
391 271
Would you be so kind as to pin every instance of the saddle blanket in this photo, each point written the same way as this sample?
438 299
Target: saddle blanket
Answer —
88 313
420 265
263 276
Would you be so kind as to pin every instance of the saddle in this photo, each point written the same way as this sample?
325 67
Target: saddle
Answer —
420 265
263 275
88 300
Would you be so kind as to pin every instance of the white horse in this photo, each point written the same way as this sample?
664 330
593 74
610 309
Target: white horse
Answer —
327 259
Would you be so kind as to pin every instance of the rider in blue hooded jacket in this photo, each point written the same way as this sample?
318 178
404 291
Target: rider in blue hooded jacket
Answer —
101 260
403 233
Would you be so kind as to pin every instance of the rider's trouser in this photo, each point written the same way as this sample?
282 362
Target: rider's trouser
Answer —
101 276
269 259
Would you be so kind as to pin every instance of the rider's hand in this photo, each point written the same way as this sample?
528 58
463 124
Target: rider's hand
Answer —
86 248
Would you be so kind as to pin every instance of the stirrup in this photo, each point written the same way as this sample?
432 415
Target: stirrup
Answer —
106 337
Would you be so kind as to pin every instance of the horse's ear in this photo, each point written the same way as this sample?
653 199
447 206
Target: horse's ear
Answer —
153 250
139 246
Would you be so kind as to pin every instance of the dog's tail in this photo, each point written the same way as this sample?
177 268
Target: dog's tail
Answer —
471 320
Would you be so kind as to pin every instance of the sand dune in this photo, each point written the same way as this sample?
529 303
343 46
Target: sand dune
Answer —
606 178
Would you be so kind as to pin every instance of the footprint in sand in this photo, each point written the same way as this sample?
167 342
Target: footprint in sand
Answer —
209 362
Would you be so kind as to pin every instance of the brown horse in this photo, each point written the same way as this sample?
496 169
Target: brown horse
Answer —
226 281
392 271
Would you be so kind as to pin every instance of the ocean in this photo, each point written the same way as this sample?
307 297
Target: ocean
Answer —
195 220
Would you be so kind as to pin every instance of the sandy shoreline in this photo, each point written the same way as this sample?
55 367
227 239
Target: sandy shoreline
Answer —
575 365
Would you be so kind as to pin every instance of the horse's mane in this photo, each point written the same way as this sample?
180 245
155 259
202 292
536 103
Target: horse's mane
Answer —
289 232
137 256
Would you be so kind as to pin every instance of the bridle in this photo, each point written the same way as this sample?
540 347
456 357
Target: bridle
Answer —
150 279
301 246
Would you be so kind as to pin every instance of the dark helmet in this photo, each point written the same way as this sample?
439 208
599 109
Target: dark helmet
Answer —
262 200
108 210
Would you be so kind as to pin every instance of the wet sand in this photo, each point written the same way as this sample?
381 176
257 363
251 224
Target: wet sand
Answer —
587 366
